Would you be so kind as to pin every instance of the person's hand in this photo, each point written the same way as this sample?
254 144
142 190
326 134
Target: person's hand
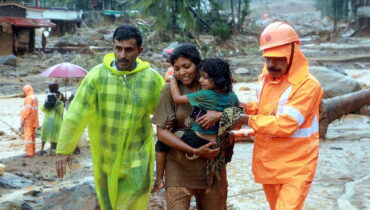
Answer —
210 118
206 152
244 105
170 77
61 165
243 120
231 137
169 125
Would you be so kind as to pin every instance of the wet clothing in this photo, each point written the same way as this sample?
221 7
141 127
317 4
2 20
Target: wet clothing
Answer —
188 136
210 100
52 122
286 123
29 113
180 171
179 198
289 196
30 140
30 119
116 106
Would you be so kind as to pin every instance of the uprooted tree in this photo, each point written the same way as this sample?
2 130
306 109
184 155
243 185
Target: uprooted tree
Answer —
334 108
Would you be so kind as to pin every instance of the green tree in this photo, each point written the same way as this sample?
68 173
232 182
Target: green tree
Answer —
168 14
335 9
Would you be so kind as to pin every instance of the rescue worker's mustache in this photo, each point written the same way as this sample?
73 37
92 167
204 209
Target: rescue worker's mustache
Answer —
273 69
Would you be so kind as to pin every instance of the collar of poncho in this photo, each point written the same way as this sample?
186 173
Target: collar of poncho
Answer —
141 65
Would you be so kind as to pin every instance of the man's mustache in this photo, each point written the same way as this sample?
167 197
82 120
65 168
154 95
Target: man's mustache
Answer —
121 60
273 69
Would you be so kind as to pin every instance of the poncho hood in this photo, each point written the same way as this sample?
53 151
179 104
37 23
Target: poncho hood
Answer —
28 90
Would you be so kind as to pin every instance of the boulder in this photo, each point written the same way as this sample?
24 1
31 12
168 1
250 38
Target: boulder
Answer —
334 82
75 41
242 71
8 180
81 196
9 60
15 205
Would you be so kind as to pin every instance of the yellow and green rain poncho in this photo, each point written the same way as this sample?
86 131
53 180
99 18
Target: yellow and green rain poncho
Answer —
52 122
116 106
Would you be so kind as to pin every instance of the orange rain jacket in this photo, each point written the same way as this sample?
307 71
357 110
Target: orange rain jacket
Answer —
29 113
286 123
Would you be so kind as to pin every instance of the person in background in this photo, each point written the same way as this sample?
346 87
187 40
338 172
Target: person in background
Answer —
170 69
44 34
167 52
29 120
53 109
68 102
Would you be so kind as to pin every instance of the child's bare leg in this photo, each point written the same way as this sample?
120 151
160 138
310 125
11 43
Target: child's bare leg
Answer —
160 163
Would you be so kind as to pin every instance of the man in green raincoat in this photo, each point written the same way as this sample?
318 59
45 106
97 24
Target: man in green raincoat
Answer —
115 100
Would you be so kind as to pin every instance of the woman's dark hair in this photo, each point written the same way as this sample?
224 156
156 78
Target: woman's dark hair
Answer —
219 71
54 87
125 32
186 50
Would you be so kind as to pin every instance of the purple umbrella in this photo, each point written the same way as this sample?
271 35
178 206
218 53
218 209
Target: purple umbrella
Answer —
64 70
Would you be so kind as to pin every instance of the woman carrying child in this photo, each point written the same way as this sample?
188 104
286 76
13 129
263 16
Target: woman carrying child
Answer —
187 176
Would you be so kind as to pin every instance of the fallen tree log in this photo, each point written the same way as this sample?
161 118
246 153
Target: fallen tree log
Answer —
340 58
12 129
334 108
20 95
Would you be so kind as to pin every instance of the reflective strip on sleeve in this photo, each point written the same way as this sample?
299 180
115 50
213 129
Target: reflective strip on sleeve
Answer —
283 100
294 113
307 132
28 142
259 89
31 107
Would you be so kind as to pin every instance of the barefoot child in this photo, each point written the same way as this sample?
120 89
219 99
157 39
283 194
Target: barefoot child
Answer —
216 94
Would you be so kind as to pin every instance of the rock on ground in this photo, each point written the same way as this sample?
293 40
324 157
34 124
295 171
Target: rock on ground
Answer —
9 60
333 82
8 180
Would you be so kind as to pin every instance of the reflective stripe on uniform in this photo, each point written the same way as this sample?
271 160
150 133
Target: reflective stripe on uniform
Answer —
29 142
259 89
307 132
283 100
31 107
294 113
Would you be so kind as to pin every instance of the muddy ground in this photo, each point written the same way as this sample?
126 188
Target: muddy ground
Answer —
341 181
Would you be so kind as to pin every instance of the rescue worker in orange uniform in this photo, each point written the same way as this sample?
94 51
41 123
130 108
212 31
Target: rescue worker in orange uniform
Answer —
170 70
285 120
29 120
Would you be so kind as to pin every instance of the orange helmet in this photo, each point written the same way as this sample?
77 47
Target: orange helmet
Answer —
276 34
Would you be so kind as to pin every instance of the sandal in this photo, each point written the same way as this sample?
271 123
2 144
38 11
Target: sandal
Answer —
41 153
157 186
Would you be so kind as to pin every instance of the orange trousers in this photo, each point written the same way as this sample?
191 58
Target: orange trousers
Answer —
290 196
29 140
